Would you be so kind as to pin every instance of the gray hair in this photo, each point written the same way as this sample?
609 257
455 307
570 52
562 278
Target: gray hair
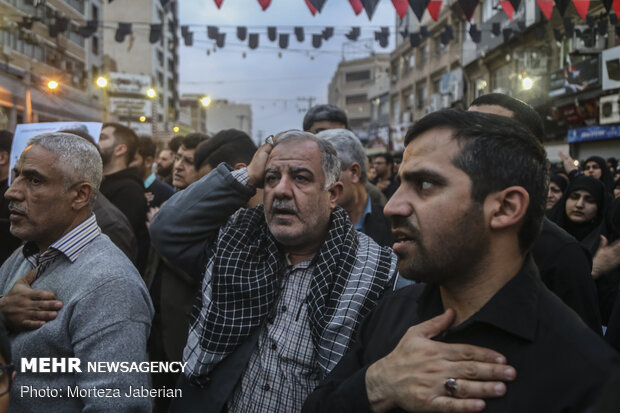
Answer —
76 156
329 157
349 148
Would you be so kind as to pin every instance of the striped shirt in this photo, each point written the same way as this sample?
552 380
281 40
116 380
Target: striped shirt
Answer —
70 245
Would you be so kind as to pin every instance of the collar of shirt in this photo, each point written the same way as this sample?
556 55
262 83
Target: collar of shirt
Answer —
149 181
360 225
70 245
521 293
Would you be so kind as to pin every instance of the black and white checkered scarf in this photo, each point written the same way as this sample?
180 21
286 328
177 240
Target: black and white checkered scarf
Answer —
246 279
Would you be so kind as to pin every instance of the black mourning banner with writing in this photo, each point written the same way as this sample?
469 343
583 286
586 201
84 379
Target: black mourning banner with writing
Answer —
155 33
353 34
283 40
123 30
299 34
272 33
253 41
317 40
242 33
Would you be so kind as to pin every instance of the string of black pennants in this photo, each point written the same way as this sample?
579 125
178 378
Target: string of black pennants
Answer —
595 25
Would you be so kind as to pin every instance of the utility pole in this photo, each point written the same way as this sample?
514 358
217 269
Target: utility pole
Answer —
309 100
28 97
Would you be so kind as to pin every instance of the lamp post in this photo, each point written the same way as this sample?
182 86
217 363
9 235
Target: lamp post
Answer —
205 102
102 83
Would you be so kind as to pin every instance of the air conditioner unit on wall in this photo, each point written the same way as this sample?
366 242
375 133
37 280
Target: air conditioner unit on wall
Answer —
609 109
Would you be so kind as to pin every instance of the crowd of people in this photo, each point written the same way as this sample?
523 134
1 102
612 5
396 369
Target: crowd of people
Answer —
463 274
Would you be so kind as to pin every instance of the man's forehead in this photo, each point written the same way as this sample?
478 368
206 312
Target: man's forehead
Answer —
36 157
295 151
431 141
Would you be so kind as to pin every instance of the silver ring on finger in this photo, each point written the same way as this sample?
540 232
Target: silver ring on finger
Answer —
451 386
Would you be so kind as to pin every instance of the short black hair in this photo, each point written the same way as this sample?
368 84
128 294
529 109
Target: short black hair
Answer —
6 140
389 159
230 145
79 132
497 152
146 147
124 135
521 111
175 143
192 140
320 113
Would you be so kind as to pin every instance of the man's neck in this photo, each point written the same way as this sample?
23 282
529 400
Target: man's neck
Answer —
113 166
358 203
483 282
77 220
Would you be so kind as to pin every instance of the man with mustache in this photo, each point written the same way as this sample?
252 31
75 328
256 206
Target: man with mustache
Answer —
470 206
95 305
285 283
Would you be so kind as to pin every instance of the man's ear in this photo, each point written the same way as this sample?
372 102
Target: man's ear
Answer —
356 172
120 150
335 192
239 165
507 207
83 193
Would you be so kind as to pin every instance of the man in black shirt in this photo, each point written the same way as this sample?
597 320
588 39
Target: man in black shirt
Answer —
470 205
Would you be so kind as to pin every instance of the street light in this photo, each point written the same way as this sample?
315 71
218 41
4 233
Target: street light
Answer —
176 129
205 101
151 93
527 83
142 118
52 85
102 82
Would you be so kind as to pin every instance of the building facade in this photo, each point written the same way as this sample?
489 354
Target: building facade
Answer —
351 88
42 42
148 51
222 114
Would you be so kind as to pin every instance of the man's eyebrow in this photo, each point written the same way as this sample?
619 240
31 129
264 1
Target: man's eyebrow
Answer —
28 173
298 169
423 174
272 169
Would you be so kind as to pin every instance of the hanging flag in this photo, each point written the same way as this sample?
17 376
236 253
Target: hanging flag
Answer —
424 32
155 33
496 29
318 4
418 7
568 27
221 38
475 34
415 40
468 7
607 4
507 33
212 32
91 28
327 33
242 33
272 33
370 6
188 39
433 8
311 7
218 3
123 30
515 4
253 40
558 35
401 7
602 26
613 18
539 33
61 24
357 6
283 40
582 7
353 34
444 38
590 21
546 7
317 39
562 5
508 9
264 4
299 34
616 6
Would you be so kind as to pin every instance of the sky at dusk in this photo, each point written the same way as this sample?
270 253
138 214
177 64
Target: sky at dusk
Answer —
272 85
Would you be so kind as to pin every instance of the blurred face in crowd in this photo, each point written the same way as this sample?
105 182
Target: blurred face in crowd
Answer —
324 125
142 165
297 208
165 162
617 192
184 171
581 207
554 195
106 144
438 228
593 169
382 168
40 206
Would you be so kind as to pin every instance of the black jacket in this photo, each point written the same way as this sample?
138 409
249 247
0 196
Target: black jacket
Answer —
378 227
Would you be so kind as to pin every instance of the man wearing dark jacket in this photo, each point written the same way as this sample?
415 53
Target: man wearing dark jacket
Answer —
122 185
9 242
156 191
365 215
